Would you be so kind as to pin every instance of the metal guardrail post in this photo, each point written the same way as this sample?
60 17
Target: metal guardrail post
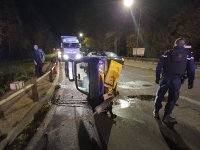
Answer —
51 75
52 70
34 90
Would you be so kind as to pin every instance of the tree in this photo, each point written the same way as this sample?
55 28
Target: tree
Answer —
130 44
91 43
11 27
185 24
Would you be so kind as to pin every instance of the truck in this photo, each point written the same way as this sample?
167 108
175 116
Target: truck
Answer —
70 48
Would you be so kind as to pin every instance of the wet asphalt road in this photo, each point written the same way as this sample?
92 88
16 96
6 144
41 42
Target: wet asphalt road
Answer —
134 128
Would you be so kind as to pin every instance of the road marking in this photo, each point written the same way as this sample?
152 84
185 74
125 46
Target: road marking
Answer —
190 100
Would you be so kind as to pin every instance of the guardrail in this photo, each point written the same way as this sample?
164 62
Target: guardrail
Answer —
33 85
30 114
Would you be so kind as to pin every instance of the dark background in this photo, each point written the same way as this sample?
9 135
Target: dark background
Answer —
107 25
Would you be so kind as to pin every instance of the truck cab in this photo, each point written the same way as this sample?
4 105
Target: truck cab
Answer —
70 48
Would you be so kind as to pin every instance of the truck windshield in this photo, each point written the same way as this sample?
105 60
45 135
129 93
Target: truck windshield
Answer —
70 45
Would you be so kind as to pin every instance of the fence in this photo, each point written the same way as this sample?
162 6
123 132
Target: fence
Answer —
33 85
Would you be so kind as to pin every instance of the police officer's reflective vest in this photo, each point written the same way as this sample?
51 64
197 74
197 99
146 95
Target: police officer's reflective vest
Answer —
176 62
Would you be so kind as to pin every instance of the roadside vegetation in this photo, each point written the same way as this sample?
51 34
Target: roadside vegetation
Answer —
11 71
24 138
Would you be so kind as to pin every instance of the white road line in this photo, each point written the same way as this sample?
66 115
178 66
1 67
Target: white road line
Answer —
190 100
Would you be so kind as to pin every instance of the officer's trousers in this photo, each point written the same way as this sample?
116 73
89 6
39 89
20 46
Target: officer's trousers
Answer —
38 69
172 84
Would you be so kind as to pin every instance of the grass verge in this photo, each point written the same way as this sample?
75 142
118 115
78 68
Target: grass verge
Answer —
24 138
23 70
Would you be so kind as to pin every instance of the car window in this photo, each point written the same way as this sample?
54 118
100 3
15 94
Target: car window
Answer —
70 45
96 54
101 54
110 54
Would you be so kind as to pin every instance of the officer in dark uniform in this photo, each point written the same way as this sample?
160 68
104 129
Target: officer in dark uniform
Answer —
174 64
37 61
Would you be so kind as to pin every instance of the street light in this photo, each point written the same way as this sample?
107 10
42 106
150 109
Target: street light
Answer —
129 3
81 34
138 30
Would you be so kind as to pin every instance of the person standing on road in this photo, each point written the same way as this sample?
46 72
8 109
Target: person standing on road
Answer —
174 64
42 55
37 61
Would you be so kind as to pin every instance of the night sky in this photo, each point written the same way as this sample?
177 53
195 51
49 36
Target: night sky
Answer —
60 14
109 14
107 24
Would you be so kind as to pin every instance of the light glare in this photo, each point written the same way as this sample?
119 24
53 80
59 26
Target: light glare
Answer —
128 3
66 56
78 56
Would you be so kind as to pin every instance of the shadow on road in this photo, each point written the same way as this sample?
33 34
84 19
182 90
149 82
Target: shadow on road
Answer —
104 126
85 142
172 138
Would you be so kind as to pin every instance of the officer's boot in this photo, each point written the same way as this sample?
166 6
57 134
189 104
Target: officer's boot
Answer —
111 113
168 118
156 113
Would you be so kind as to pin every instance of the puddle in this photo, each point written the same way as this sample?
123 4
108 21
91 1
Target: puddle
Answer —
122 103
132 99
142 97
147 85
134 85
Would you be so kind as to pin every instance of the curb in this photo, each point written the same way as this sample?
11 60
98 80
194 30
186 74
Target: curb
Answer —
146 68
41 132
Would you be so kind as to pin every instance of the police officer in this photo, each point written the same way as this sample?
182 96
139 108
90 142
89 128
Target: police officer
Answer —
42 55
173 64
37 61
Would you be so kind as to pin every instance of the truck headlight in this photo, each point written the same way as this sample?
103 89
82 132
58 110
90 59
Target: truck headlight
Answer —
65 56
78 56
